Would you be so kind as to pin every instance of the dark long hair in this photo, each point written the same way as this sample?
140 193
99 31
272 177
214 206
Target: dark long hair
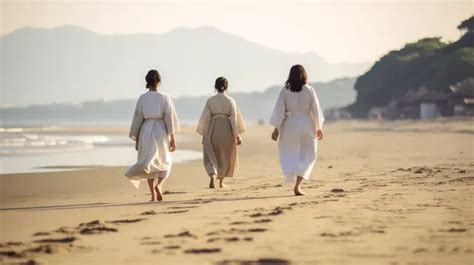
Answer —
152 79
296 79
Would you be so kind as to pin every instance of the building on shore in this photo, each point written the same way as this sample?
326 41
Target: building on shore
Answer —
463 97
424 103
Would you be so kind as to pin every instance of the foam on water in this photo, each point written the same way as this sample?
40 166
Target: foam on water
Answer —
18 142
22 150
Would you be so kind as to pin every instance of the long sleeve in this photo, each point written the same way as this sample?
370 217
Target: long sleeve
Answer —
204 120
136 122
279 111
316 112
236 120
170 117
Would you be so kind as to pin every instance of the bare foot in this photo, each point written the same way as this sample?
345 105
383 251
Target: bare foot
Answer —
153 197
298 192
212 183
221 183
159 196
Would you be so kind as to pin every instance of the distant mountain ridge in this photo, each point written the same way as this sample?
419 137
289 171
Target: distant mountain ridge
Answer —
71 64
254 106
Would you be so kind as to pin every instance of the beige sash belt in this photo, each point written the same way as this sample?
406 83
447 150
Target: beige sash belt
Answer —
220 115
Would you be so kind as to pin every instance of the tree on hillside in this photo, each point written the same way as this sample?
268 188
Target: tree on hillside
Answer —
428 63
467 24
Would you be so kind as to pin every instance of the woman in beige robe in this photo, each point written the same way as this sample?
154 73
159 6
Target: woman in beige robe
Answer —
221 125
153 127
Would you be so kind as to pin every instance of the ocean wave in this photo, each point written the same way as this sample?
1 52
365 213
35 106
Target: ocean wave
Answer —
16 141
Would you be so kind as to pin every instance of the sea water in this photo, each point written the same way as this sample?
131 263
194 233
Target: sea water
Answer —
44 149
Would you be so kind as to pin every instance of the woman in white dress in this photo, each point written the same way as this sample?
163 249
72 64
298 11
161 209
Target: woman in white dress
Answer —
153 128
298 121
221 126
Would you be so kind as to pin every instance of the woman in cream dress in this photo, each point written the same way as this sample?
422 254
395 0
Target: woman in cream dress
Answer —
298 122
221 125
153 127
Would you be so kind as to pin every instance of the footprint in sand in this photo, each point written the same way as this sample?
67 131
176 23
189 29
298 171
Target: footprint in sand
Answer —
89 228
266 220
340 234
97 230
238 223
230 239
151 212
172 247
454 230
225 239
182 234
322 217
47 246
276 211
263 261
419 250
58 240
11 244
12 254
175 212
126 221
455 249
41 234
202 250
54 248
167 192
300 204
237 231
256 230
95 227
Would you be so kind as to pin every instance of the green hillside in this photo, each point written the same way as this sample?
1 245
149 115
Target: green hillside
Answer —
428 62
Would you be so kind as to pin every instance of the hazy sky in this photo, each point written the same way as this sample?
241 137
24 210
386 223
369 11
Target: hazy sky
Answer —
340 31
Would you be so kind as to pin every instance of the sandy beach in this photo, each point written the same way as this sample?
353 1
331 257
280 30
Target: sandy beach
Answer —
381 193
